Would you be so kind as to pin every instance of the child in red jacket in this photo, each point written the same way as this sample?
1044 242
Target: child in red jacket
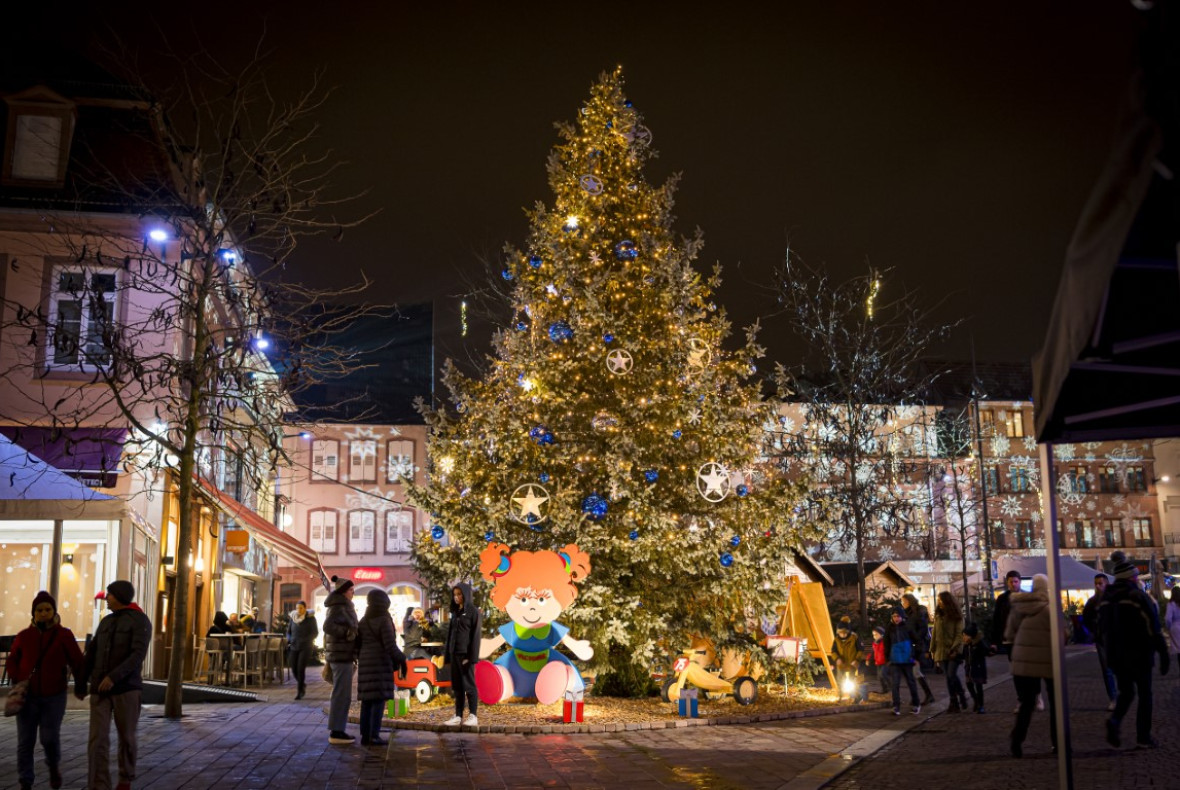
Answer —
880 660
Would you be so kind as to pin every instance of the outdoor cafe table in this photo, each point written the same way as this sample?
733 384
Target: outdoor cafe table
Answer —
232 643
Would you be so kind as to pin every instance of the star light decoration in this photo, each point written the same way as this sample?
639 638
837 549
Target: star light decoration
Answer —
619 362
532 504
698 353
713 481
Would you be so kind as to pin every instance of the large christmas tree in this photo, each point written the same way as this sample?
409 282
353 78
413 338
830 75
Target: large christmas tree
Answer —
613 417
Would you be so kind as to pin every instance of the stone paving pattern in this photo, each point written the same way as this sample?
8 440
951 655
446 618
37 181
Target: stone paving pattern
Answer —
281 743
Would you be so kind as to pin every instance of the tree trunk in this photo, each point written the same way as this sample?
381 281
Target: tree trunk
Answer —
173 694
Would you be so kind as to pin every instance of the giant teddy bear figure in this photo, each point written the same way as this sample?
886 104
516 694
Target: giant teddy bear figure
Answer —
534 588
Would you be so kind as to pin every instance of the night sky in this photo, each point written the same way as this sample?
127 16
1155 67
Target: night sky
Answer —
953 142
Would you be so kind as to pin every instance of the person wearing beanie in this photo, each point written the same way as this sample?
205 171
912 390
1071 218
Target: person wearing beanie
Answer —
340 630
114 675
880 659
899 647
846 656
378 658
1129 627
42 656
302 630
1032 658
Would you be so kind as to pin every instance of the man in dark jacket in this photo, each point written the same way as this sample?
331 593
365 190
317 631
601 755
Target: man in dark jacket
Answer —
340 630
1129 627
1090 620
114 675
462 653
1003 608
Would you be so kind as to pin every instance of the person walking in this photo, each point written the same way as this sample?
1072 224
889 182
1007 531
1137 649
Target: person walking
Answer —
462 652
1129 625
946 647
975 653
918 618
44 654
378 657
340 630
1172 621
899 646
1000 615
301 633
114 679
1032 658
1090 620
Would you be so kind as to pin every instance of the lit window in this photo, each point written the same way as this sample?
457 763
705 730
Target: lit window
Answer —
1141 529
1014 423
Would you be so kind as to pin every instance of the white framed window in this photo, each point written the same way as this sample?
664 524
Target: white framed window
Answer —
399 460
362 461
399 531
83 305
360 531
325 460
321 531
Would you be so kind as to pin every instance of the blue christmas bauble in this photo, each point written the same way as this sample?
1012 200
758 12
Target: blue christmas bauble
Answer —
521 326
506 274
535 261
676 434
627 103
608 338
560 332
437 532
626 250
543 477
742 490
489 536
651 475
634 534
735 541
726 559
595 507
541 435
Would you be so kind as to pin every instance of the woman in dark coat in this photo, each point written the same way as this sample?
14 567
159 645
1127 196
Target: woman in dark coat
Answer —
378 657
301 633
43 654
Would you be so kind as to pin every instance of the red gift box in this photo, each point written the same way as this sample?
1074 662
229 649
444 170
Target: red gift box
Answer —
572 709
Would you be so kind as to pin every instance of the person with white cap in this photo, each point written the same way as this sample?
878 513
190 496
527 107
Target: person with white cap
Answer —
1129 626
114 675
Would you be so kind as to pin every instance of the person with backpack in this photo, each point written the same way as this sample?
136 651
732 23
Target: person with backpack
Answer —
899 647
42 656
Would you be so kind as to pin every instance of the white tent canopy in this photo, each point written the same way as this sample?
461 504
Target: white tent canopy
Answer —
1074 575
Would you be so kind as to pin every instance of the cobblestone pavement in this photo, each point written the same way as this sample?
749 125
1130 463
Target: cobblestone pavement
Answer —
280 743
283 744
967 751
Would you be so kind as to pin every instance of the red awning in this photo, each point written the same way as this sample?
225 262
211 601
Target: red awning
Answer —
90 455
286 546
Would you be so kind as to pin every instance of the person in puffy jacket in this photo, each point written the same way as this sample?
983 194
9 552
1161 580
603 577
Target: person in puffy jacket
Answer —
378 658
846 655
1032 658
340 629
880 658
114 676
462 653
44 654
301 633
899 647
